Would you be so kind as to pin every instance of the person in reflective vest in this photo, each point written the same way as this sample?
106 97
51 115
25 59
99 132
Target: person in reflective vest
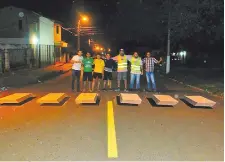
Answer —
136 71
122 64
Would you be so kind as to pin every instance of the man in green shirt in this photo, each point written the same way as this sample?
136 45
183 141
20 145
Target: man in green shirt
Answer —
87 76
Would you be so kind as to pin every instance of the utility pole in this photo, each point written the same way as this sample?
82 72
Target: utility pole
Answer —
168 40
78 35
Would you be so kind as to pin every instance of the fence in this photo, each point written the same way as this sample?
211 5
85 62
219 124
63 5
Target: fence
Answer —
29 56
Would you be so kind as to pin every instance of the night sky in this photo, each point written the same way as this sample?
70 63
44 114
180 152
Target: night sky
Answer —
131 23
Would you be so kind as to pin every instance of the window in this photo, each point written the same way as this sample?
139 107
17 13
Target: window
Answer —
20 24
57 29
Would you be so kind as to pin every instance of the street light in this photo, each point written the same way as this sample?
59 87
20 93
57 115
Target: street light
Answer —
34 40
85 19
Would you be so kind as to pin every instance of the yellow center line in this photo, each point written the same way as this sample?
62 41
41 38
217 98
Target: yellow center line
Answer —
112 144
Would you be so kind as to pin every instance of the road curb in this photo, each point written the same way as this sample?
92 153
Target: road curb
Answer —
196 88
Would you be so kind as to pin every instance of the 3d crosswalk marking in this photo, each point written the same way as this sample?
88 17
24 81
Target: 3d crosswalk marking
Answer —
16 98
89 98
199 101
52 98
127 98
164 100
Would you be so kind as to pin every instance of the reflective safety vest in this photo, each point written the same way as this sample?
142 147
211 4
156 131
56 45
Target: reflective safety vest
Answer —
122 63
136 65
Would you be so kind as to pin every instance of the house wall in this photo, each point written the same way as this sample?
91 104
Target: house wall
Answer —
9 26
33 25
46 31
57 34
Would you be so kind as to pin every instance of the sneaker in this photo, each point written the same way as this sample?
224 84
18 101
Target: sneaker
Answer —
125 90
103 89
117 90
110 89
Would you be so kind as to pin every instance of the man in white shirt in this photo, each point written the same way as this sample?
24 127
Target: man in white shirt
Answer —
76 69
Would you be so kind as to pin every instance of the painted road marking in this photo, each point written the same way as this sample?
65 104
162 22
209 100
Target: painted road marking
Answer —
52 98
127 98
84 98
112 143
164 100
199 101
16 98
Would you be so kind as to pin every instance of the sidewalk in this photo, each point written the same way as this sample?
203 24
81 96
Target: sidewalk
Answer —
208 80
27 76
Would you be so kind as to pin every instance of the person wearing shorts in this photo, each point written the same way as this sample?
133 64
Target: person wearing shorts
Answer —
109 63
122 62
87 75
98 72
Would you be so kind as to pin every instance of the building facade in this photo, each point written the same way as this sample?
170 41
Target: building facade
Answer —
21 27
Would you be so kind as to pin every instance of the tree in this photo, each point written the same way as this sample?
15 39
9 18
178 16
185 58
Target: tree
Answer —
188 18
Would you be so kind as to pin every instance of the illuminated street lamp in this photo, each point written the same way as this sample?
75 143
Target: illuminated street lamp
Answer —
183 56
109 49
101 49
97 48
34 40
85 19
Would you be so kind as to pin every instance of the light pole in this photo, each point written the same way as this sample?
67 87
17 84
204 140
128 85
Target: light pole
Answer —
78 35
84 18
168 42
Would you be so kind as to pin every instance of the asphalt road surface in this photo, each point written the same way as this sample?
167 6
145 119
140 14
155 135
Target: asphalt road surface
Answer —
79 132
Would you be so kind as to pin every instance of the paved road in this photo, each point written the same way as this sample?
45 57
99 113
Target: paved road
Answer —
144 132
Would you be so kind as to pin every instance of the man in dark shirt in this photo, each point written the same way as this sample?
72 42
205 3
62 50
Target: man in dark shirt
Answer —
109 63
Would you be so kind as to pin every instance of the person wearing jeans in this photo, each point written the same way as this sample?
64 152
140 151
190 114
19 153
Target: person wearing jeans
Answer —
136 71
134 77
76 70
150 78
149 63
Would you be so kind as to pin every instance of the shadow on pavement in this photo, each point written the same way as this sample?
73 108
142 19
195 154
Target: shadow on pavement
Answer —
19 104
58 104
194 107
122 104
152 102
98 100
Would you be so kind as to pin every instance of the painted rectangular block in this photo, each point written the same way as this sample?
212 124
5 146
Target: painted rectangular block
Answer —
86 98
199 101
164 100
52 98
15 98
127 98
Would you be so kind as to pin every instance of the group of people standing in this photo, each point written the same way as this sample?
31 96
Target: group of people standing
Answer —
94 70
